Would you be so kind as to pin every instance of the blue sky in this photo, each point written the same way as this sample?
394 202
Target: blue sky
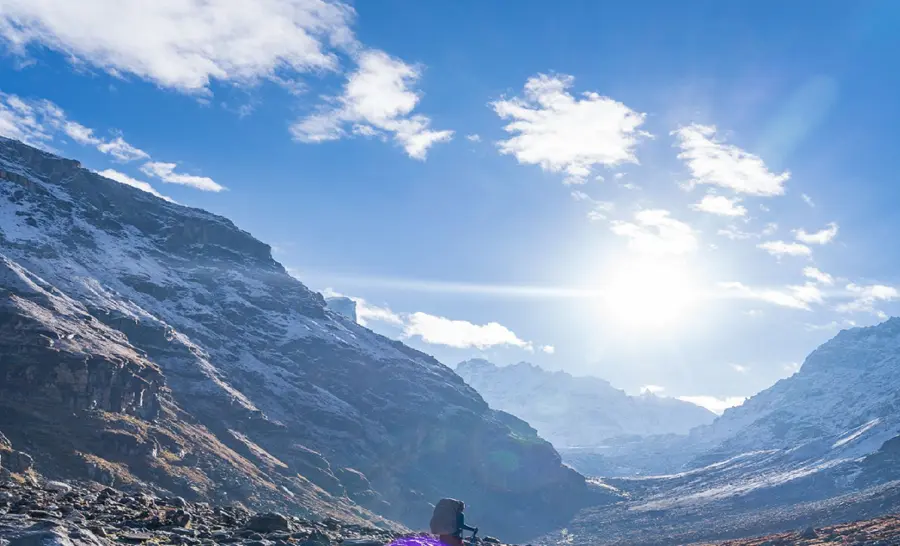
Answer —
690 197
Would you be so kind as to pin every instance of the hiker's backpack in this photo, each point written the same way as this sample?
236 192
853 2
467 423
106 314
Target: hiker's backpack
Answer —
443 520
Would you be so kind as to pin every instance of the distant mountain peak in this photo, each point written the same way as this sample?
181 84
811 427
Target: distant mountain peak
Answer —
577 411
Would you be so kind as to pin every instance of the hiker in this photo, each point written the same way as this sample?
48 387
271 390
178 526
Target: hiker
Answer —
449 522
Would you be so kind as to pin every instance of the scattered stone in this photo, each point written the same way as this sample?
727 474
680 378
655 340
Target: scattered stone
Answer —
268 523
58 487
136 537
809 533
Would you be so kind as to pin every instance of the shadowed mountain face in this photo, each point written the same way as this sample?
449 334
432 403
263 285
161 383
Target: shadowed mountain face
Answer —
146 341
577 411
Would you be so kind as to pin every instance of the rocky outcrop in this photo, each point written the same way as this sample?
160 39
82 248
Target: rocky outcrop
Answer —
167 346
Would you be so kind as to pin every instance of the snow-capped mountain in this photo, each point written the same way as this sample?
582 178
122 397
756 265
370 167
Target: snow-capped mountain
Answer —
146 341
577 411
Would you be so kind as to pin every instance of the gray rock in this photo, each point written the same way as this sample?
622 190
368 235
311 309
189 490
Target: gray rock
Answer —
268 523
58 487
361 542
41 538
18 462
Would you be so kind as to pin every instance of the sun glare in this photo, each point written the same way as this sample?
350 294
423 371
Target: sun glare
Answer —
648 293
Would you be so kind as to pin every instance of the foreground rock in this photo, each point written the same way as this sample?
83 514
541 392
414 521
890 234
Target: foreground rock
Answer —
883 531
48 514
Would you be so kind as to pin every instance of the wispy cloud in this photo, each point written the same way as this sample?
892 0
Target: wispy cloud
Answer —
461 334
866 297
166 173
128 181
795 297
437 330
567 134
378 100
808 200
739 368
473 138
39 122
713 403
781 248
185 45
548 349
716 163
821 237
654 231
122 150
818 276
599 209
718 204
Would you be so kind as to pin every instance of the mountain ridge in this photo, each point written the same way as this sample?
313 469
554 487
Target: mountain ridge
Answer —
245 365
575 411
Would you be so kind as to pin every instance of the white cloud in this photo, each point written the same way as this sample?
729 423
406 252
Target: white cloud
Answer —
781 248
28 121
562 133
821 237
833 325
652 389
735 234
808 200
807 293
865 298
630 186
818 276
128 181
713 162
184 45
36 122
655 232
473 138
166 173
460 333
376 99
367 313
714 404
548 349
718 204
794 297
792 367
739 368
121 150
599 209
81 134
770 229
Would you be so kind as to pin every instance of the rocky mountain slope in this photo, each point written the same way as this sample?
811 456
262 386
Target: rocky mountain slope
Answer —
819 447
577 411
144 341
842 404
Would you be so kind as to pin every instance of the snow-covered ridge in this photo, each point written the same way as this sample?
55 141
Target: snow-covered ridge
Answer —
258 358
577 411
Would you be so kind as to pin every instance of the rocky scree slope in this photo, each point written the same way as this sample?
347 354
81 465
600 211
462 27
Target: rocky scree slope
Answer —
35 512
575 412
144 341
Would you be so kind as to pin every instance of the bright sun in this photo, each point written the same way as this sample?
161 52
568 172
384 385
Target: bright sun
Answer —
648 293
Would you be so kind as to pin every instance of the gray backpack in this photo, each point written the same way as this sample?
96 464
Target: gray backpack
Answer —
443 520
